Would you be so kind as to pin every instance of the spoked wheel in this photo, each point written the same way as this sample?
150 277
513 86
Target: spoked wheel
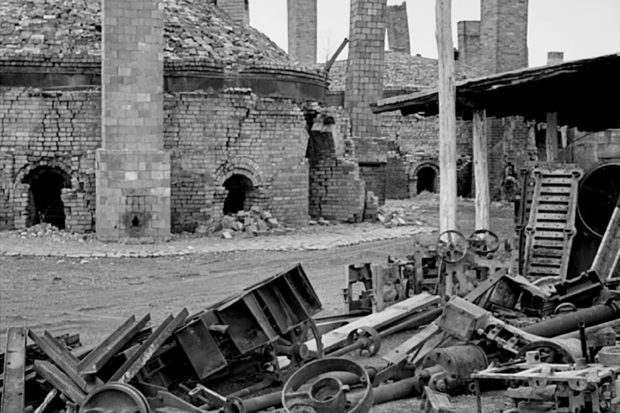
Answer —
115 397
370 337
483 242
318 387
451 246
293 346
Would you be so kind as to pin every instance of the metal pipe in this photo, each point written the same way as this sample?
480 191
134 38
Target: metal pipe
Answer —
583 340
393 391
592 329
417 320
568 322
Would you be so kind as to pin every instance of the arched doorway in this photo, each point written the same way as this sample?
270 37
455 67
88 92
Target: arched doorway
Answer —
44 196
426 179
239 189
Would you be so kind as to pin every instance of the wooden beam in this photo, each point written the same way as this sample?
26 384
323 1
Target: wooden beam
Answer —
552 136
54 376
447 117
481 170
14 371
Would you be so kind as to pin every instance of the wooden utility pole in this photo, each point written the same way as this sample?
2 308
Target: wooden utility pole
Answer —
447 117
551 137
481 170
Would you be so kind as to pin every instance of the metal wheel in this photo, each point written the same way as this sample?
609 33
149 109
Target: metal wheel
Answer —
451 246
483 242
115 397
317 388
371 338
293 345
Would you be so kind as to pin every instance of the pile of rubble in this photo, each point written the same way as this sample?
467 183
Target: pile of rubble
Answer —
253 222
49 231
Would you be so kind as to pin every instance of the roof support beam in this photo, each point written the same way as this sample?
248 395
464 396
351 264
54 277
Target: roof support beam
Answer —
552 136
481 170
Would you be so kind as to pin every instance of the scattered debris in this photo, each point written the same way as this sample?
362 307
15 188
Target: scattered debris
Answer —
254 222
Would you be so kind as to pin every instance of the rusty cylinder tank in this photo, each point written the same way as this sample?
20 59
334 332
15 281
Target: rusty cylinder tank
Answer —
448 369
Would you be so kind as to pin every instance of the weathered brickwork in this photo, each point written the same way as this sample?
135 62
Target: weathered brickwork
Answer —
364 77
302 31
336 190
133 171
213 137
503 35
371 154
589 149
55 131
238 10
398 28
469 43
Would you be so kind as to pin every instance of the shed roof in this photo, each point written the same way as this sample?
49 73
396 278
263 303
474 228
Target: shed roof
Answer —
582 92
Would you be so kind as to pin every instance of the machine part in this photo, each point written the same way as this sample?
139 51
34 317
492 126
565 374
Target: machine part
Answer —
598 193
382 285
417 320
448 369
451 246
592 329
569 321
115 397
211 396
324 393
584 341
293 346
483 242
606 260
551 226
609 356
462 319
364 339
554 350
436 402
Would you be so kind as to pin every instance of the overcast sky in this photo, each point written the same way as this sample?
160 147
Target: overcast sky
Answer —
579 28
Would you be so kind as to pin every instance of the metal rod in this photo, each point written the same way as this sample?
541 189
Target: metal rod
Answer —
583 340
592 329
569 322
424 317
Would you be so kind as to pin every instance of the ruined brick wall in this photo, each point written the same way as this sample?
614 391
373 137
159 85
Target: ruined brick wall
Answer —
591 148
371 154
469 43
212 137
238 10
503 35
302 31
398 28
336 191
364 77
57 130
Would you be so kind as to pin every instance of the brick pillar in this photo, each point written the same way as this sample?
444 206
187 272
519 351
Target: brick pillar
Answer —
238 10
364 78
398 28
133 170
302 36
503 35
469 42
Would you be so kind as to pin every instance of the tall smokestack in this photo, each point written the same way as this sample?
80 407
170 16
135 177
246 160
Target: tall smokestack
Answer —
364 78
238 10
503 35
469 42
398 28
302 36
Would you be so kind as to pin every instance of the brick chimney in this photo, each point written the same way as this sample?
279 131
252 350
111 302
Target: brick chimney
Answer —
238 10
503 35
133 170
554 58
398 28
469 42
302 26
364 77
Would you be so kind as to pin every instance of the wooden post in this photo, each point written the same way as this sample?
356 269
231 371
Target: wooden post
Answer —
447 117
481 170
552 136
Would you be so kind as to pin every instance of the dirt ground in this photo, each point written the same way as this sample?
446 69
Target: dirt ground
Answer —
93 296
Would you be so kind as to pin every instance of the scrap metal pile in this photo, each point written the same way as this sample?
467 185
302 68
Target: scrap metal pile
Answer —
480 314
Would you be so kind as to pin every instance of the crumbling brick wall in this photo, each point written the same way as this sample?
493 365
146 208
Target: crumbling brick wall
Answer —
59 130
371 154
212 137
336 190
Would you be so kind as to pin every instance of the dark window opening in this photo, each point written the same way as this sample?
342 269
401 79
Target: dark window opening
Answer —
426 179
238 187
45 196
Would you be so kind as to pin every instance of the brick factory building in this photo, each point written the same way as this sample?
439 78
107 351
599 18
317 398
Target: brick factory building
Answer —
219 125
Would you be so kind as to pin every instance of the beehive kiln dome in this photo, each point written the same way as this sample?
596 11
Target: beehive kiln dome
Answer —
193 29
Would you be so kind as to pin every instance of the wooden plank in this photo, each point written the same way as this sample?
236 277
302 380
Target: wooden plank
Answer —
551 138
537 251
536 271
546 262
61 347
609 248
553 208
336 338
481 170
66 364
401 353
14 371
59 380
549 243
555 190
97 358
142 355
447 117
551 216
